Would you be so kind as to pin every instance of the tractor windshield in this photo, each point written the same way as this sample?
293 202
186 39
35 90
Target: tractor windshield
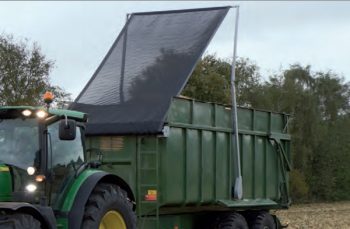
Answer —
19 142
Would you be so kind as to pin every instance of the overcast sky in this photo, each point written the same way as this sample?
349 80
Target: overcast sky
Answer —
77 35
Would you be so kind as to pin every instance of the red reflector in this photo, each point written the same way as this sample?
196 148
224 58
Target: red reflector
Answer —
151 197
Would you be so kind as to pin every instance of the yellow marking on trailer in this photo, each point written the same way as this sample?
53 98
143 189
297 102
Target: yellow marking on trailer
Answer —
152 192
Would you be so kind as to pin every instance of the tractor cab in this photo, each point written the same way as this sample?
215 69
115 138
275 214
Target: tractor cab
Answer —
41 155
41 149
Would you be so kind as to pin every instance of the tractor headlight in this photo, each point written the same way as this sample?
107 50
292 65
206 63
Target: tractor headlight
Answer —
26 113
30 170
41 114
31 187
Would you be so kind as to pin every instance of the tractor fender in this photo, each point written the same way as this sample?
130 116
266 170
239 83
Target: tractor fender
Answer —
84 189
44 214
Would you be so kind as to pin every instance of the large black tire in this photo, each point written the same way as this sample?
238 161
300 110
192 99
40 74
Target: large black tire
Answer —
232 220
262 220
19 220
105 198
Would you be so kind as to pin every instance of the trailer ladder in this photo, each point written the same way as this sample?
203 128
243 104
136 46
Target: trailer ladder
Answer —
148 188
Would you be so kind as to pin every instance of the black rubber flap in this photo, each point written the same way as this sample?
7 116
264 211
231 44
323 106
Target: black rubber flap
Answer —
148 64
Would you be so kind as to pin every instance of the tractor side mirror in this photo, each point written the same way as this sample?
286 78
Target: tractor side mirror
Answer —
67 129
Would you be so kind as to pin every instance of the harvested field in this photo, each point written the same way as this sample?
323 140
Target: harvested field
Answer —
320 216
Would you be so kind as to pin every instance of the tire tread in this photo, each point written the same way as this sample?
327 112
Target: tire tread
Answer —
263 219
101 196
232 220
19 220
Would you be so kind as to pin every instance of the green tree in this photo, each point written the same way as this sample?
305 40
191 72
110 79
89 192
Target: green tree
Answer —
341 159
24 73
211 81
333 95
248 82
331 158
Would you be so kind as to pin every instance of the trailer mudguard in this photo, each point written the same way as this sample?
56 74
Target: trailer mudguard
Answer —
44 214
81 190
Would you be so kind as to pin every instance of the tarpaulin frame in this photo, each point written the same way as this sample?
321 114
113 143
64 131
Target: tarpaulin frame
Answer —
182 10
158 125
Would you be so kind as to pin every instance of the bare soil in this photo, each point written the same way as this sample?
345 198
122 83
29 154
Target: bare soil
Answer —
318 216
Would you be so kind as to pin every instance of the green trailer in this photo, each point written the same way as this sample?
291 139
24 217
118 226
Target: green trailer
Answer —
185 175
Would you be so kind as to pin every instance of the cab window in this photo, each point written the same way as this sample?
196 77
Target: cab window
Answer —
65 157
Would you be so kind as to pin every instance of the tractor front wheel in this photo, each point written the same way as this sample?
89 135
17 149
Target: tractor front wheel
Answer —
108 208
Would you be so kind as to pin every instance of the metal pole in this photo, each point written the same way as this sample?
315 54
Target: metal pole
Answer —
238 188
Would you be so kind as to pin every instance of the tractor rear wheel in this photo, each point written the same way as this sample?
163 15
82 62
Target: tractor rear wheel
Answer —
108 208
232 220
19 220
262 220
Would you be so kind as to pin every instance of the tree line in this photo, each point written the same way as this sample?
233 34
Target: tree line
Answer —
319 104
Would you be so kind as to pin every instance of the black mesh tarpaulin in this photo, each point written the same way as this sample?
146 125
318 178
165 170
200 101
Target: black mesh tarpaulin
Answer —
148 64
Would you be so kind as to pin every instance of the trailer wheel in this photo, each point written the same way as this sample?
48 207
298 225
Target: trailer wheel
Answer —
19 220
263 220
232 220
108 208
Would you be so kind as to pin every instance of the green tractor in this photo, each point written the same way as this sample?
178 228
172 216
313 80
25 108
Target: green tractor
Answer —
45 179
